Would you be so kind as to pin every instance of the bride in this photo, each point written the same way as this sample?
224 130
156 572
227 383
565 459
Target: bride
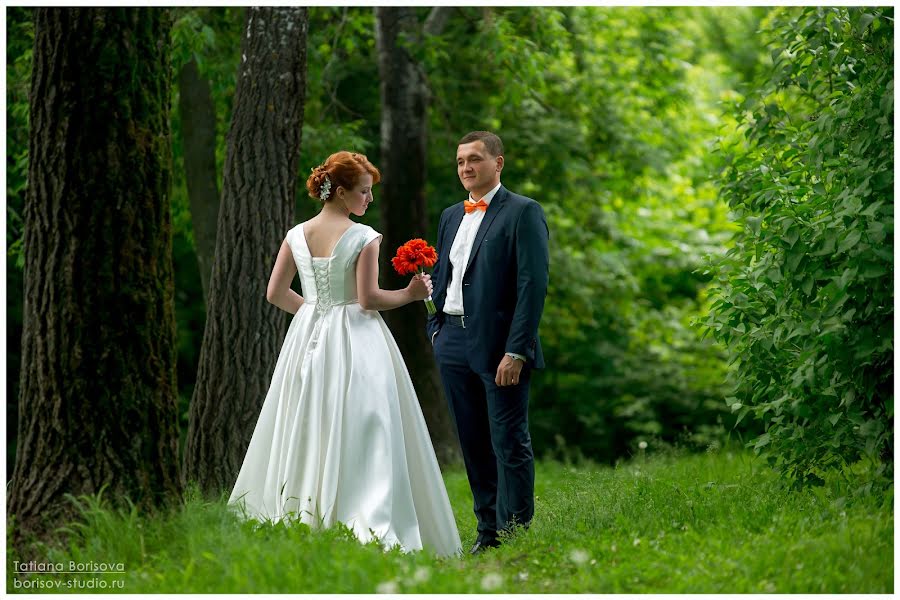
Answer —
340 436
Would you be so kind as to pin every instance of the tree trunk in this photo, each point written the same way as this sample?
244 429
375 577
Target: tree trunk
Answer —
403 146
98 404
243 332
198 127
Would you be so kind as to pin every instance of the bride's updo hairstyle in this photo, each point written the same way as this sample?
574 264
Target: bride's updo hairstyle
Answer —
340 169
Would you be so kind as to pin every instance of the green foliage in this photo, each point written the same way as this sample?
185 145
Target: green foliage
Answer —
192 39
342 102
719 522
804 300
20 41
20 25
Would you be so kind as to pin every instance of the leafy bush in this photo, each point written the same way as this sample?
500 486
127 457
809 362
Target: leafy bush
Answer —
804 300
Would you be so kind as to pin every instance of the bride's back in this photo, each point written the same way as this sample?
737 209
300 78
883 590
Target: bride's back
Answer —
322 235
328 276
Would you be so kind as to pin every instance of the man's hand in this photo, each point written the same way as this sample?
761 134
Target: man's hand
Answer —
508 372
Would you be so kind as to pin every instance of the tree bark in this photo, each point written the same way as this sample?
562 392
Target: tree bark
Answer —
98 404
404 130
198 127
243 332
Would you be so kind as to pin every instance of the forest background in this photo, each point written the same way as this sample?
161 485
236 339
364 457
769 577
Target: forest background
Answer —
718 184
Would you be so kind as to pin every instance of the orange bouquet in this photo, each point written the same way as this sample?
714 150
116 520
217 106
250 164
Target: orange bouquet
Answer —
413 257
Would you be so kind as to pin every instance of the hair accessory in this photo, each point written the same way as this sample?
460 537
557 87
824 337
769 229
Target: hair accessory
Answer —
325 190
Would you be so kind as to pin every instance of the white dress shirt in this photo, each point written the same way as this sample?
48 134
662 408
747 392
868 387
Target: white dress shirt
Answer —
460 252
459 258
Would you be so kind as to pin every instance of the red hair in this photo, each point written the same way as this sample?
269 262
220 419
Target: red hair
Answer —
343 169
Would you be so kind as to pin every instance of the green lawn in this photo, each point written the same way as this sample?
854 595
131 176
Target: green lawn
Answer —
719 522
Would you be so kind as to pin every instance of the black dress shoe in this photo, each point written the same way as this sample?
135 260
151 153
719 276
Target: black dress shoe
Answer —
483 544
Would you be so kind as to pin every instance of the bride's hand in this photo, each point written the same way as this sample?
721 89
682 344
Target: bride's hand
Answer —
420 286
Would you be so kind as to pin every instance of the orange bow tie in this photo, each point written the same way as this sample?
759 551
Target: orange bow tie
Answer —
473 206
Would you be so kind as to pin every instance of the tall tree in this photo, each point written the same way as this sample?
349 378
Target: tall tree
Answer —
243 332
98 395
198 130
404 135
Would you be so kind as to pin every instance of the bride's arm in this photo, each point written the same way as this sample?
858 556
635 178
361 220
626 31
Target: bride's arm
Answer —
279 291
372 297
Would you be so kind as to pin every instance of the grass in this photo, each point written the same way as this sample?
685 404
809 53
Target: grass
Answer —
719 522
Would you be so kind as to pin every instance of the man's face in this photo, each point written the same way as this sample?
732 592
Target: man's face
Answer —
478 171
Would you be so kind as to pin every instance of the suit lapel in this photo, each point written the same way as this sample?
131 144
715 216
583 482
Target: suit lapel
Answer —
493 209
450 235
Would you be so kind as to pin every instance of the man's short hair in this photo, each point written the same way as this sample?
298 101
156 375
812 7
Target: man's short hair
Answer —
492 143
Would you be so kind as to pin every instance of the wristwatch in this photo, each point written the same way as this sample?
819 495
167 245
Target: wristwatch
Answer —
515 356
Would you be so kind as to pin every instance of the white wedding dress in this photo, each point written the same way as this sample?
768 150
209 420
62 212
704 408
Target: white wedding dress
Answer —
340 436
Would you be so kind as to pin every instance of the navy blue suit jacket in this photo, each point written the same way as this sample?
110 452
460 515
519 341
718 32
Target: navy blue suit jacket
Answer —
504 284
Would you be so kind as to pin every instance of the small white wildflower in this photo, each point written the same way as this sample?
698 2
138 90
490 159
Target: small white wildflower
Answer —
387 587
491 581
642 445
593 561
421 575
578 556
637 541
612 548
522 576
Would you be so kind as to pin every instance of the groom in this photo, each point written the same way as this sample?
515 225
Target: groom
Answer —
490 281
